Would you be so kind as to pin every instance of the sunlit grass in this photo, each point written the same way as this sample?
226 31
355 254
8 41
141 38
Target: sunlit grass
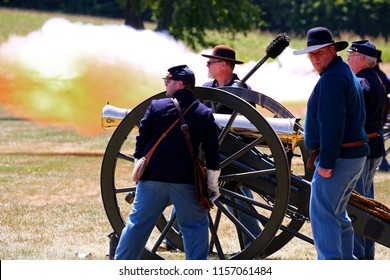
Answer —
22 22
51 206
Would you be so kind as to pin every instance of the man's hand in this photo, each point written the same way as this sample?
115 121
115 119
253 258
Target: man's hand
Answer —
326 173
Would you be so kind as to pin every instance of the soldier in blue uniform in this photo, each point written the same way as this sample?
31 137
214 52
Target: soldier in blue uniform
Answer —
362 58
221 64
170 173
334 129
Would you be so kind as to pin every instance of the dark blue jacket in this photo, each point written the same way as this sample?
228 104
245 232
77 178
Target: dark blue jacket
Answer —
375 100
224 109
171 162
335 115
214 84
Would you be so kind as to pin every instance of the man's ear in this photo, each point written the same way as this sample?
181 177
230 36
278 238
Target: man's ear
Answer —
333 50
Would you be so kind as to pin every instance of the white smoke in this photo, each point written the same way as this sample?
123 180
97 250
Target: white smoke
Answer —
68 71
289 77
53 50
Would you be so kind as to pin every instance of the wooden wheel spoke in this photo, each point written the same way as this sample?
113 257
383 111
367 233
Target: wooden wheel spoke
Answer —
125 157
214 237
125 190
164 233
227 127
233 218
241 175
246 199
241 152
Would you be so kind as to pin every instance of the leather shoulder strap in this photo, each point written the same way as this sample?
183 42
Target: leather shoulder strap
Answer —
184 126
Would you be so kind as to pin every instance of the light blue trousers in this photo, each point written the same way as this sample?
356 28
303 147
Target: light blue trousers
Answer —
331 226
252 224
364 248
151 198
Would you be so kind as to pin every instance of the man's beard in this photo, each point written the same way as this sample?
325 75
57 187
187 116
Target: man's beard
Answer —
210 76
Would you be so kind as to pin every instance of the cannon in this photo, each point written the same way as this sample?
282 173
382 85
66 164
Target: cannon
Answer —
258 148
257 155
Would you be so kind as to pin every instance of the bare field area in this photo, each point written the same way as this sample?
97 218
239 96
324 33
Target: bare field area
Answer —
51 206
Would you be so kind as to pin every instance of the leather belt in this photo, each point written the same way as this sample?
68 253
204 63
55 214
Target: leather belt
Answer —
373 135
315 153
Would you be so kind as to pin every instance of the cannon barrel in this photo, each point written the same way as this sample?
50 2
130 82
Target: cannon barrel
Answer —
112 116
287 129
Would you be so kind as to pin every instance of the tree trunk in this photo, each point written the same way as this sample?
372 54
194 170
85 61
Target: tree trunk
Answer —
166 15
132 14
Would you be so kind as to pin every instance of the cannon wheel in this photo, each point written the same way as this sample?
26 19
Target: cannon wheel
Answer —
276 110
292 223
260 165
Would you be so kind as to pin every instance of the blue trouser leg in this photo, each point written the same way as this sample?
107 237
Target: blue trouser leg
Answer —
249 222
150 201
192 219
363 247
384 166
331 226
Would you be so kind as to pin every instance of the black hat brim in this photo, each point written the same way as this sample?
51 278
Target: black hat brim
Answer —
223 58
339 46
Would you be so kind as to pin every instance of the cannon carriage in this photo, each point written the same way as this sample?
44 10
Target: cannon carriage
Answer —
258 148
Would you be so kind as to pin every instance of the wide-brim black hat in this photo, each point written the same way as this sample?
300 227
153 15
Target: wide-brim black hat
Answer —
318 38
224 52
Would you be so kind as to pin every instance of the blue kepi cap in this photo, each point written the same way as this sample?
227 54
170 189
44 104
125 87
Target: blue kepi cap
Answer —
364 47
181 73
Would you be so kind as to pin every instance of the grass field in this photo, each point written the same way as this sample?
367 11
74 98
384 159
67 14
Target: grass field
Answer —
50 196
50 203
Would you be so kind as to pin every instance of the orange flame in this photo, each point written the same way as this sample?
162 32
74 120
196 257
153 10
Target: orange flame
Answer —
74 102
64 73
69 87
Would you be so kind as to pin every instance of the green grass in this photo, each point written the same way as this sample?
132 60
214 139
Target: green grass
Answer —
22 136
50 203
22 22
51 208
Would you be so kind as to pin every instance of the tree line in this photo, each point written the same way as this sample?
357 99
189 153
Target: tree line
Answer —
188 20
